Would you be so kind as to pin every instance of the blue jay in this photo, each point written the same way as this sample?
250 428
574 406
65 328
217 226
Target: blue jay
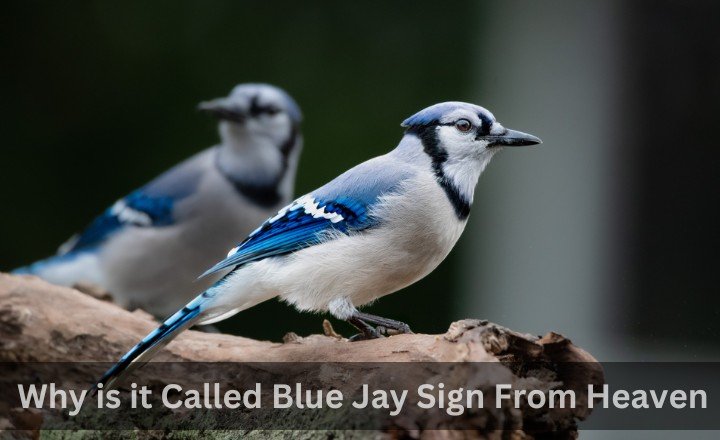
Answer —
371 231
148 248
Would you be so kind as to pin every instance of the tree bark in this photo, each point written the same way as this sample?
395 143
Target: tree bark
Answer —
40 322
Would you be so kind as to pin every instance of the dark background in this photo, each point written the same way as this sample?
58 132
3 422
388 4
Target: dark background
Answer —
674 104
99 97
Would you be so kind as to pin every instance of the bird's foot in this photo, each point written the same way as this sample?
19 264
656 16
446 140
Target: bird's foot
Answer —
367 331
383 326
361 337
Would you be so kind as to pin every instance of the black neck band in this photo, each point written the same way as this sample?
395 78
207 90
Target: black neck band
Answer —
431 145
267 194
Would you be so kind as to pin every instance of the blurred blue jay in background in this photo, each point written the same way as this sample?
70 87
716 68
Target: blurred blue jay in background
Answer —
148 248
371 231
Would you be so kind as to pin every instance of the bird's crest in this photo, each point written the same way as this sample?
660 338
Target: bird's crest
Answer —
272 92
438 112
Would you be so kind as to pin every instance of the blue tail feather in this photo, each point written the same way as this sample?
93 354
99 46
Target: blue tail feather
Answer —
154 341
34 268
25 270
39 266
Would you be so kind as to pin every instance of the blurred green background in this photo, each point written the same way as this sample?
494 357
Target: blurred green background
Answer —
607 233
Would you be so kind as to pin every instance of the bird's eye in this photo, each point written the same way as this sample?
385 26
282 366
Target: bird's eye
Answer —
463 125
272 111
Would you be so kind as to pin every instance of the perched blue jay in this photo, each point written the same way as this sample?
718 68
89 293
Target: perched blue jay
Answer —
371 231
149 247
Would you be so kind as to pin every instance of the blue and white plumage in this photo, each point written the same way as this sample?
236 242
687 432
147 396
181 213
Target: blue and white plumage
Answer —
148 247
373 230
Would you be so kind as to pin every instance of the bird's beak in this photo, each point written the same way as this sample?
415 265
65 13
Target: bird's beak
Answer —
511 138
222 109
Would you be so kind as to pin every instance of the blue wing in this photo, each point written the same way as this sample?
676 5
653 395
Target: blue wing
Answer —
342 206
149 206
137 209
303 223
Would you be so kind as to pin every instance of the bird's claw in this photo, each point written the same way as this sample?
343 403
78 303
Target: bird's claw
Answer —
399 330
380 332
383 327
369 333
